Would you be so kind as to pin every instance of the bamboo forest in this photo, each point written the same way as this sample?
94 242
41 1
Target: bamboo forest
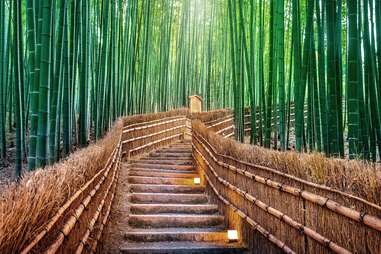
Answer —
309 71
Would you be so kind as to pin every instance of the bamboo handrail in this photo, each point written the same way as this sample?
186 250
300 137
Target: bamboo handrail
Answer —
152 134
70 223
299 180
152 143
225 129
149 122
253 223
153 125
95 218
278 214
218 119
220 122
63 209
366 219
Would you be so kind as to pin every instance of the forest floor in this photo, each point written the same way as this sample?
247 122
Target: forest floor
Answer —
7 165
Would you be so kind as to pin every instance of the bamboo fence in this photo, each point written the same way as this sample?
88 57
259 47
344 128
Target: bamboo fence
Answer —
294 215
77 225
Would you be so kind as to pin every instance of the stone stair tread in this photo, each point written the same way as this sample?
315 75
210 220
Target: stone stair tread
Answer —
182 247
168 198
163 170
185 158
167 188
165 208
174 220
168 162
176 215
163 166
162 174
133 230
163 180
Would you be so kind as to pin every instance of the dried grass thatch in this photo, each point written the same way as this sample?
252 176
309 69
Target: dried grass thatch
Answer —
211 115
154 116
306 202
358 178
27 206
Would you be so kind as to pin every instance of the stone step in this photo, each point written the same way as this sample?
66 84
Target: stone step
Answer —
176 234
165 161
170 198
175 220
160 180
154 173
157 158
162 170
170 155
166 188
173 208
162 166
176 150
183 248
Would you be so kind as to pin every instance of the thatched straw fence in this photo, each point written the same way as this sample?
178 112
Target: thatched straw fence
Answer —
220 121
64 208
295 203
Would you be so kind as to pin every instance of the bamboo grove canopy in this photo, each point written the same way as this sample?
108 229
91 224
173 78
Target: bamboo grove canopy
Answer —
69 68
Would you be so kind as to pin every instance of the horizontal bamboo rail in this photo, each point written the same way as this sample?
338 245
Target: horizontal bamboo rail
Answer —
291 177
218 120
266 234
161 122
97 214
152 135
225 129
133 125
67 205
152 143
278 214
75 217
360 217
221 122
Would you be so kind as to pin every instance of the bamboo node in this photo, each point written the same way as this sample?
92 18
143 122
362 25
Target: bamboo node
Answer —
362 215
301 229
325 203
327 242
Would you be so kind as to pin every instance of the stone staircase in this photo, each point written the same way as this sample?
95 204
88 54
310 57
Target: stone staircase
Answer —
168 213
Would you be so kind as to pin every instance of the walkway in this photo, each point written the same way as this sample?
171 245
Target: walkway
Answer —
168 212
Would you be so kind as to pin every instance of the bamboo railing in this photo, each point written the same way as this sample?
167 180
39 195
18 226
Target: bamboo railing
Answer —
295 215
78 225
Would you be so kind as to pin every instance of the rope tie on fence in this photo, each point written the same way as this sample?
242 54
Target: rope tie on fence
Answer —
362 215
325 203
301 229
280 186
327 242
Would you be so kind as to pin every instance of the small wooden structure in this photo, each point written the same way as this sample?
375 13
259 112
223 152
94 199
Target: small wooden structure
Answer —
195 104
